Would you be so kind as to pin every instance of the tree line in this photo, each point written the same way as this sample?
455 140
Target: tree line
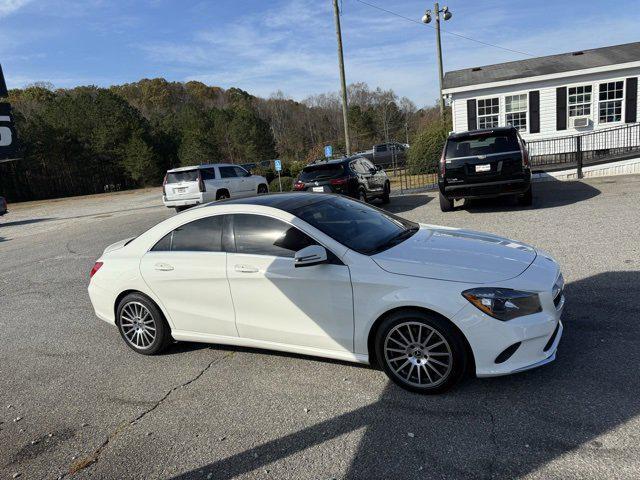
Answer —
90 140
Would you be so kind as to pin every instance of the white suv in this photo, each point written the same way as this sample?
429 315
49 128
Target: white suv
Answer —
188 186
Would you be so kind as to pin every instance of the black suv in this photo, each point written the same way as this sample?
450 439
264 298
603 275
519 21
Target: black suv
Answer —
355 177
482 164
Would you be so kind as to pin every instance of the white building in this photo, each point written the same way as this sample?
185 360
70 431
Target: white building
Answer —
553 96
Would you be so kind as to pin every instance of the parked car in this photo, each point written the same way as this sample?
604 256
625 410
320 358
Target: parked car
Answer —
387 154
355 177
484 163
3 206
188 186
328 276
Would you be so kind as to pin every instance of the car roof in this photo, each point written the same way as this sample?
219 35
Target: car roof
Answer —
484 131
198 167
287 201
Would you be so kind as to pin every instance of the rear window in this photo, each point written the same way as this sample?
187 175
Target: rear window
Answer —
184 176
321 172
482 145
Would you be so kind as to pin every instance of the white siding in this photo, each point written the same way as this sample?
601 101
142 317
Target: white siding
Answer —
547 90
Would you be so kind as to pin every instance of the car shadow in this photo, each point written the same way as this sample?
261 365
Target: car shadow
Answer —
502 427
405 203
548 194
27 221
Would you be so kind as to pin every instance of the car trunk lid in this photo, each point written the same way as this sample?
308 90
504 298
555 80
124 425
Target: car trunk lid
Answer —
483 157
182 184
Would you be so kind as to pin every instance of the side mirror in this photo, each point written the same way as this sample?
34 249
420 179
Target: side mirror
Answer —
373 170
309 256
378 168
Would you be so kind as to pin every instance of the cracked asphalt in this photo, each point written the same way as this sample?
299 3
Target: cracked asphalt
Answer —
76 402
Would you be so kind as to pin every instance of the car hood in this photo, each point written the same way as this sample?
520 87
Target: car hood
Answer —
457 255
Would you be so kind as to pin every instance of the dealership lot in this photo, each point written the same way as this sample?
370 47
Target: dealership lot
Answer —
74 398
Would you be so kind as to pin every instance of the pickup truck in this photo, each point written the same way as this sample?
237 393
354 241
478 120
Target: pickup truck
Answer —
384 154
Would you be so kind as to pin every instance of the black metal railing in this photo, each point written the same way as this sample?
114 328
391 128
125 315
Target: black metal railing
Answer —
576 151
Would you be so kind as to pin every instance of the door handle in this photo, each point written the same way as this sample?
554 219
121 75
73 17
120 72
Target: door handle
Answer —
163 267
246 269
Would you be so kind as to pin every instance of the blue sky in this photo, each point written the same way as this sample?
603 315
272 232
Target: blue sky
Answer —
267 45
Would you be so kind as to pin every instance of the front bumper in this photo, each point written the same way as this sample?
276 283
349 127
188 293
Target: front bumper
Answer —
182 202
534 339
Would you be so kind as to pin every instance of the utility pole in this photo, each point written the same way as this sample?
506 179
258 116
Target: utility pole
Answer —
426 18
343 83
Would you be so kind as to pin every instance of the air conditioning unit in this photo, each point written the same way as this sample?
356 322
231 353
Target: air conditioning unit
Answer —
580 122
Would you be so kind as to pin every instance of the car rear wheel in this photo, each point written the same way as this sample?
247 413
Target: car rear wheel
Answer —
180 209
222 194
446 205
142 325
420 352
526 199
362 195
262 189
387 193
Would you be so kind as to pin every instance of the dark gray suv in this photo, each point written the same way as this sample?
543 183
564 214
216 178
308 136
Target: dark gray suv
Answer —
484 163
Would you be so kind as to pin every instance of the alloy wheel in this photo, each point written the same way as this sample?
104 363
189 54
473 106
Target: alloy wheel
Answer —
138 325
418 354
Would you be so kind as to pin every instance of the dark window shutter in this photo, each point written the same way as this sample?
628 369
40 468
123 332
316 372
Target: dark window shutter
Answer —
561 108
3 85
534 111
631 101
472 121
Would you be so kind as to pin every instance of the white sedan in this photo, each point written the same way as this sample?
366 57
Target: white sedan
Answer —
328 276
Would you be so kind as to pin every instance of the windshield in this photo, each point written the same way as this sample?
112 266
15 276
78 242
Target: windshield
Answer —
184 176
482 145
320 172
360 227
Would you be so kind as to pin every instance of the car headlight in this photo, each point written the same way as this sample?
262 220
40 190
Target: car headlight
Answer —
503 303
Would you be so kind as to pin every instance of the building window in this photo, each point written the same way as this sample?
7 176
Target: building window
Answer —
579 101
488 112
610 105
516 111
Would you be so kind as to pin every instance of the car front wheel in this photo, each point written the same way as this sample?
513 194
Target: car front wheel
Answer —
420 352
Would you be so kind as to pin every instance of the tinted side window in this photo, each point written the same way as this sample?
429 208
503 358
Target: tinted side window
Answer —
260 235
227 172
208 174
367 165
381 148
204 235
241 172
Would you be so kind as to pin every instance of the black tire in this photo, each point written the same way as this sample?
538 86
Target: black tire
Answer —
180 209
526 199
222 194
409 371
262 189
446 205
387 192
136 302
362 195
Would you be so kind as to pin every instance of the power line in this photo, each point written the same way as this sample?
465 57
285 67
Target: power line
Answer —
444 31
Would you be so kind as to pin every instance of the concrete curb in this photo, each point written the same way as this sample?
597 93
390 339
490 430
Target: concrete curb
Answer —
623 167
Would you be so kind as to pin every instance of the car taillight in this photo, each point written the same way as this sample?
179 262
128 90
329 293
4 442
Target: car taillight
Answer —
525 156
200 181
164 183
95 268
338 181
443 165
298 185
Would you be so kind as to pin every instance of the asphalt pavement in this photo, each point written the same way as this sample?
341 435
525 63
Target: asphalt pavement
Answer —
76 402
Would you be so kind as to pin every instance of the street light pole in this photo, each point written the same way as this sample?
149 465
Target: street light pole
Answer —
436 9
426 18
343 83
